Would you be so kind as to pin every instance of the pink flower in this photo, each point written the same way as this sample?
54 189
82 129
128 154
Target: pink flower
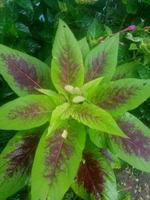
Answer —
131 28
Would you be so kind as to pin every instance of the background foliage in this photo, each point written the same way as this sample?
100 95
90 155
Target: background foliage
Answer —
30 25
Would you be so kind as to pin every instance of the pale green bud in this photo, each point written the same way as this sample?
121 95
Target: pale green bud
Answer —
78 99
65 134
69 89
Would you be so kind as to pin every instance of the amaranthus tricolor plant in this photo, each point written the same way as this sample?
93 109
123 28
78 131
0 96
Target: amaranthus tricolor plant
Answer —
65 125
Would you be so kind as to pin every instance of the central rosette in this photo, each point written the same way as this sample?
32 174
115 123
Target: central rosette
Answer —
75 94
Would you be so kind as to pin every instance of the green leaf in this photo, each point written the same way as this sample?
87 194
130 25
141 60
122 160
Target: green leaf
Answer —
127 70
97 32
131 6
98 138
67 64
26 112
16 162
86 2
23 73
122 95
55 97
95 118
102 60
135 149
61 113
95 179
89 89
27 5
57 160
84 46
146 1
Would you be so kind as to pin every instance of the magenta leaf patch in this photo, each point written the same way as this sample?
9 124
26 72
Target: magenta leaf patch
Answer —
122 95
102 59
97 67
21 158
136 149
31 111
67 63
69 67
95 176
117 96
16 161
137 143
59 150
26 112
57 160
91 176
23 73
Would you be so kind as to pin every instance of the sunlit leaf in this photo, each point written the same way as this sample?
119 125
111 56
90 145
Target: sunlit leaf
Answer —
56 162
136 149
102 60
95 179
16 162
60 113
26 112
67 64
55 97
122 95
23 73
96 118
90 88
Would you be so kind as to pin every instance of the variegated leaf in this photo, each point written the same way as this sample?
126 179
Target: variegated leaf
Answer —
102 60
22 72
57 160
16 162
67 64
26 112
122 95
136 148
95 178
95 118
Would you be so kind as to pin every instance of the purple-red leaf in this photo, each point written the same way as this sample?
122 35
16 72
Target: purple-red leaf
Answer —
97 68
91 176
95 118
95 178
16 162
23 73
59 150
26 112
57 160
21 158
102 60
136 149
67 64
122 95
